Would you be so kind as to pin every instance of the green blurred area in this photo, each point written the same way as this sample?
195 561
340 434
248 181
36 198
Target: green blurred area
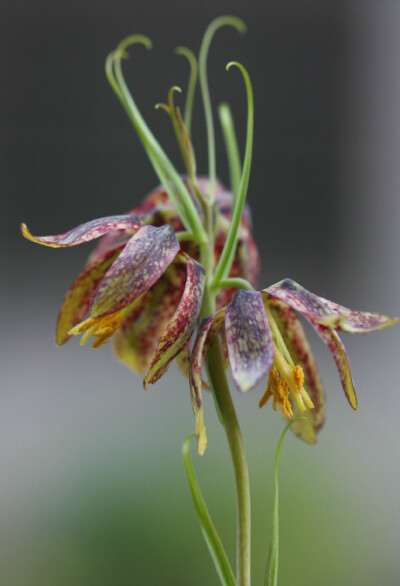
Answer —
127 518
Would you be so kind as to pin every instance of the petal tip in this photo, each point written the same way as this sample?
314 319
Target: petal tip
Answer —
25 232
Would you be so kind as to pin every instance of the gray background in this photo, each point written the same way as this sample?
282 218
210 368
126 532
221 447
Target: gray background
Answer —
92 489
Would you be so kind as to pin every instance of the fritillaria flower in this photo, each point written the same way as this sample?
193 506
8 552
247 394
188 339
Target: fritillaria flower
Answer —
188 252
141 286
264 337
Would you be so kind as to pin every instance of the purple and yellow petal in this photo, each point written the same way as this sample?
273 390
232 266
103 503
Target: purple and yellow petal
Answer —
85 232
358 322
250 345
208 330
181 326
144 259
77 300
305 302
183 363
296 342
322 311
136 339
338 351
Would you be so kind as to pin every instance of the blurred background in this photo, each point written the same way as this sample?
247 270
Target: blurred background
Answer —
92 487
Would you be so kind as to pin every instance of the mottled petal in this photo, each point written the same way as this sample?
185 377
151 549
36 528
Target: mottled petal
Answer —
296 342
85 232
325 312
137 337
183 362
339 354
358 322
181 326
208 329
144 259
77 300
250 345
108 242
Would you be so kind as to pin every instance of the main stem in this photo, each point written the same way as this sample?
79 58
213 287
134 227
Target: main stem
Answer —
230 423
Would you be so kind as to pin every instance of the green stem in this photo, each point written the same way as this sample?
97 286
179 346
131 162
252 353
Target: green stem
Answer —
271 570
237 282
230 423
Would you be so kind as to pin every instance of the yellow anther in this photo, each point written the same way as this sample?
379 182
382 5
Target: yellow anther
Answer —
100 327
298 376
279 390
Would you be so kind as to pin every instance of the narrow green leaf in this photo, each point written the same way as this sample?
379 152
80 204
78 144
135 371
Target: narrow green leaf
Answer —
228 252
210 534
231 147
212 28
271 571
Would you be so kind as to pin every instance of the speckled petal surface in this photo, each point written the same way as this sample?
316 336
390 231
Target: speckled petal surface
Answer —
295 339
138 335
338 351
208 330
77 300
325 312
183 363
85 232
250 345
358 322
144 259
181 326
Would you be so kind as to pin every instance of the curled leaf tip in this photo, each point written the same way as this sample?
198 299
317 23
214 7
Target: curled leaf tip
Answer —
134 40
164 107
228 20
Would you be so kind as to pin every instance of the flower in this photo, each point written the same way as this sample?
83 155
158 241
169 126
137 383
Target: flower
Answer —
141 286
265 337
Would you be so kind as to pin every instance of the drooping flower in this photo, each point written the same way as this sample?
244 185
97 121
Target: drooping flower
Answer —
117 281
141 286
265 338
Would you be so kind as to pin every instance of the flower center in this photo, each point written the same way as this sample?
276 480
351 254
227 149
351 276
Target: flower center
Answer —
279 390
283 380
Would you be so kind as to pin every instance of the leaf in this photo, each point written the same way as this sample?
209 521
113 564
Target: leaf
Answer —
210 534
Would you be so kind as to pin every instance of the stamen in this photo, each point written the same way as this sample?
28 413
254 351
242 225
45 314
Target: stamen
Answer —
100 327
279 390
